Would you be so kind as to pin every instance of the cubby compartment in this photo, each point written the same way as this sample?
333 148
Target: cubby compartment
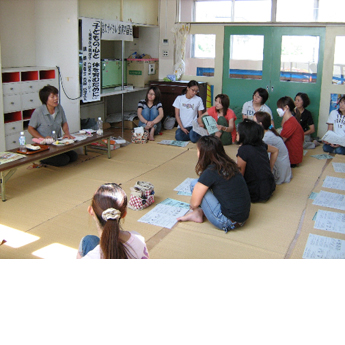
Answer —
11 117
29 75
47 74
26 124
10 77
27 114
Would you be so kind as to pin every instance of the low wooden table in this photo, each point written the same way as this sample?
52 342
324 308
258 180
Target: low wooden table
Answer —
8 169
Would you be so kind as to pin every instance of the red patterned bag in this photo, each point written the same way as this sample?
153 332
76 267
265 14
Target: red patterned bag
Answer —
142 196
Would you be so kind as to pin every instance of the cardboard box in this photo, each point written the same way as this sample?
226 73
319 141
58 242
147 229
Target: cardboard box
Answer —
141 71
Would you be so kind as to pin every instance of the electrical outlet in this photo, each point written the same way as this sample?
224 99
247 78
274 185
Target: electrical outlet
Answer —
165 53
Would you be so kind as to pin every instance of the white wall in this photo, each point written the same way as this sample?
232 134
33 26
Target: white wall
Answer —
56 34
17 32
167 14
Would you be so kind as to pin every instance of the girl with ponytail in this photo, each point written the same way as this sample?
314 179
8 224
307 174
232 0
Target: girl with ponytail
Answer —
108 207
281 170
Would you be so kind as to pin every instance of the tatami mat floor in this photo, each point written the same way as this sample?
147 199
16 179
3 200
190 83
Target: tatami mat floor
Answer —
46 211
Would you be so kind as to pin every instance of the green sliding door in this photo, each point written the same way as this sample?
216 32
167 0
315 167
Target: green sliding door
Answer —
283 60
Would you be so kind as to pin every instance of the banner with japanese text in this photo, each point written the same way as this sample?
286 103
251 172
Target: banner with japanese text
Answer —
91 55
93 31
116 30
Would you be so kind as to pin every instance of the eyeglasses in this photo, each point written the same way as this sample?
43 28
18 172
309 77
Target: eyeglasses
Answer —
194 90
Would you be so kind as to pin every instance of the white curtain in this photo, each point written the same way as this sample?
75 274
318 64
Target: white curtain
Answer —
181 31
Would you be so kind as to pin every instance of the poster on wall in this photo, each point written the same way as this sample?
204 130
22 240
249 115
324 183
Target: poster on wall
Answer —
93 31
114 30
91 63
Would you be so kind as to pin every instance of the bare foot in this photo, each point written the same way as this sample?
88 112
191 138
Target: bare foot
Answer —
152 134
196 216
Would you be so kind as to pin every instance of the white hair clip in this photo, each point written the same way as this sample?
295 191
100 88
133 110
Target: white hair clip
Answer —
111 213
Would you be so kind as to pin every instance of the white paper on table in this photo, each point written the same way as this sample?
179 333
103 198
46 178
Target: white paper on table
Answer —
321 247
165 214
332 200
330 221
339 167
333 138
184 187
334 182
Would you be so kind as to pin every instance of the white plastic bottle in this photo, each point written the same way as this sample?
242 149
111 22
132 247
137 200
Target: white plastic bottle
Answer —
100 126
54 136
22 142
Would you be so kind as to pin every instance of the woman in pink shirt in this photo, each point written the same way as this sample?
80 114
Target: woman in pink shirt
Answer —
225 118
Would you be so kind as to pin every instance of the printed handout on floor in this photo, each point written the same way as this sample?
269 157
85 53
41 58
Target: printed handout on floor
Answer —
321 247
334 182
165 214
339 167
332 200
174 143
184 187
330 221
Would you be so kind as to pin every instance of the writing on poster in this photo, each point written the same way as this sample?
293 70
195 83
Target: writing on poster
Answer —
91 55
116 30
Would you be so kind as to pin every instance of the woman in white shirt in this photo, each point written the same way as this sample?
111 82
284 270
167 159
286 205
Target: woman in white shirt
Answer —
260 96
188 107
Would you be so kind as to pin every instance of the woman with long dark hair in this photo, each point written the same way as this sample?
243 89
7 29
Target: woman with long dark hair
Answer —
292 133
150 112
281 170
253 161
220 193
188 107
108 207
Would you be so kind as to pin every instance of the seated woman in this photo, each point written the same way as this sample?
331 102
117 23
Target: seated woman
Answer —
49 117
253 161
188 107
108 207
150 112
225 118
292 133
281 170
303 116
336 123
220 193
260 96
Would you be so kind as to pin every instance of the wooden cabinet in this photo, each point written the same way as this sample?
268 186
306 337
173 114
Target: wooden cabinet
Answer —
170 90
20 88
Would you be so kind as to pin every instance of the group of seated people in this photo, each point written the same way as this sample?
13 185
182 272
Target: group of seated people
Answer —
225 189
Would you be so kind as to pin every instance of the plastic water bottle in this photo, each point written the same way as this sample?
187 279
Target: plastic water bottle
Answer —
100 126
54 136
22 142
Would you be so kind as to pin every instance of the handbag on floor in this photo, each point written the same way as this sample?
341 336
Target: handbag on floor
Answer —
139 135
142 196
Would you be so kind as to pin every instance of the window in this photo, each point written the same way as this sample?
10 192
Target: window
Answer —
246 56
310 11
299 59
292 11
200 55
217 11
339 61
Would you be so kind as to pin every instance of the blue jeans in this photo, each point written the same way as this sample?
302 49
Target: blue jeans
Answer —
339 150
191 136
88 243
149 114
212 210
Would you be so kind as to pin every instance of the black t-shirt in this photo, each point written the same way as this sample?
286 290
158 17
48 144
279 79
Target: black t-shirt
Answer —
232 194
306 120
258 174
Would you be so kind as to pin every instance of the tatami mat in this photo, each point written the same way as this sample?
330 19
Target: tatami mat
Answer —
51 203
